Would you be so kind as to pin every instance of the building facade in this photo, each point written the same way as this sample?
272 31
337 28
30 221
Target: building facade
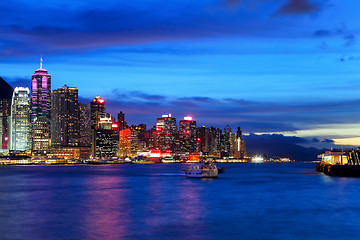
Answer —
6 92
166 133
85 125
40 108
65 127
121 120
19 122
106 139
124 143
240 149
187 135
97 107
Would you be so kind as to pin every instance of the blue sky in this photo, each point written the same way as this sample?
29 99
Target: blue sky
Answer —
269 66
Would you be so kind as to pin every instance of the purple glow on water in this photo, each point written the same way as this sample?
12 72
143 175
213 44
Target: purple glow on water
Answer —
249 201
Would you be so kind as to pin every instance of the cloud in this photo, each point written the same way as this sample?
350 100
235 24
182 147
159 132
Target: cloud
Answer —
261 126
261 116
233 3
328 141
137 94
295 7
73 29
343 34
350 40
20 82
81 29
322 33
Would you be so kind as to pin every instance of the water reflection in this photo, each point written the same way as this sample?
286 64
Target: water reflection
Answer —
106 208
271 201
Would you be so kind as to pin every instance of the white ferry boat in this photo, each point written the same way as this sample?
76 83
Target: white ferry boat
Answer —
202 170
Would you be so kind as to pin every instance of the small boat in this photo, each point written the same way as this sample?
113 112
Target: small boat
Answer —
202 170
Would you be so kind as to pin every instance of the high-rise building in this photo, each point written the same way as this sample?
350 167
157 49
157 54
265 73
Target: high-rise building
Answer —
187 134
166 133
121 120
97 107
65 117
40 108
240 149
124 143
142 129
1 129
203 139
106 138
210 141
215 142
6 92
149 139
19 122
85 125
227 139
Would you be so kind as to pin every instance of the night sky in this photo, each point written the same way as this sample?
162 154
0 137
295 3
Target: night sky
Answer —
289 67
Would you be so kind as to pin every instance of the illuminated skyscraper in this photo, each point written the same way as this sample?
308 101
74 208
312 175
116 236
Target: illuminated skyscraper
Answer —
215 135
40 108
166 133
6 92
97 107
65 117
19 124
187 134
124 143
85 125
203 139
227 139
240 149
137 137
149 139
106 139
210 141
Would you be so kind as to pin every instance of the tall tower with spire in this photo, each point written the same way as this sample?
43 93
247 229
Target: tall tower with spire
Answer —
40 108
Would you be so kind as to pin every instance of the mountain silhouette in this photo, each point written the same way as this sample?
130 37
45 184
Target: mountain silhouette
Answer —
6 90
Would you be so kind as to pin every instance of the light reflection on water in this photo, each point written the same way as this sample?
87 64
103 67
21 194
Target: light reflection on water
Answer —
106 208
248 201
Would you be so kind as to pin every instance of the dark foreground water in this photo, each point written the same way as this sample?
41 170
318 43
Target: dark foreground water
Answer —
248 201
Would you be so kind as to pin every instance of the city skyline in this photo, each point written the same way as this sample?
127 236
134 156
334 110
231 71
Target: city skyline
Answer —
287 67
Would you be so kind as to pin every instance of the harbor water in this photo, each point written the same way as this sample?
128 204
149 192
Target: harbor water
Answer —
247 201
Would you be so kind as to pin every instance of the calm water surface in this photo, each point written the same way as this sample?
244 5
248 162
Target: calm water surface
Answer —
248 201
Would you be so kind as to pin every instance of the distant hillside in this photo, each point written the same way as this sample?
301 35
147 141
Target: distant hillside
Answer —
282 146
6 90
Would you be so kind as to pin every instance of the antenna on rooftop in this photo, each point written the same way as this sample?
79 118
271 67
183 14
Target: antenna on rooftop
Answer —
41 62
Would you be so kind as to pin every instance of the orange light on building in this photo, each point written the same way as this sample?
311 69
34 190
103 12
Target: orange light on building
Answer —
194 157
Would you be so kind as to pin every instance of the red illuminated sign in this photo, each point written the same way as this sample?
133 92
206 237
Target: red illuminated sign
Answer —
114 125
155 154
